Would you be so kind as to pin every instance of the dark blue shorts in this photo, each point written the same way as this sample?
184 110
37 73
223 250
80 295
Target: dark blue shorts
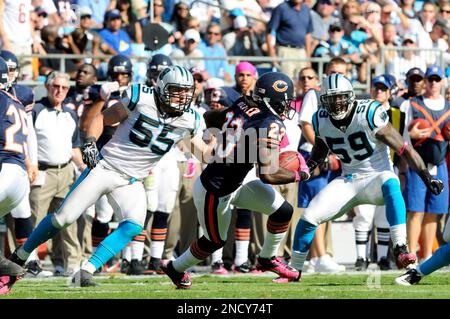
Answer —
419 199
307 190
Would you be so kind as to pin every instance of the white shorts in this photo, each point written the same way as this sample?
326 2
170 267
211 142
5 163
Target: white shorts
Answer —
14 185
214 213
342 194
23 210
368 216
162 185
126 197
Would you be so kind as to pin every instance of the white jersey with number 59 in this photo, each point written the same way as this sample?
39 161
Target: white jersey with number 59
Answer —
144 137
356 146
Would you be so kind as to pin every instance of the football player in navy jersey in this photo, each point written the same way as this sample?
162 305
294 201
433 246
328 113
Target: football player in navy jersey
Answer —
13 175
221 183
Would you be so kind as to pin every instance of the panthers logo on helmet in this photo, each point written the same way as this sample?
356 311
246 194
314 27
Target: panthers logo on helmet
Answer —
280 86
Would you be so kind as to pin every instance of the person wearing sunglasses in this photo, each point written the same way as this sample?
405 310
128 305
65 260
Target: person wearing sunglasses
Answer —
423 207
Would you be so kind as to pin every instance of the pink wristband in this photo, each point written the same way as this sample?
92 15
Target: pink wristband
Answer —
297 176
402 150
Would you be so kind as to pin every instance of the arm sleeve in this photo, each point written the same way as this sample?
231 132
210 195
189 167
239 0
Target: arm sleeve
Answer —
130 97
32 140
377 117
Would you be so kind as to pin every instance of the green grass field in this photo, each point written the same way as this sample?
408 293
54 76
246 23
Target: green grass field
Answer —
353 286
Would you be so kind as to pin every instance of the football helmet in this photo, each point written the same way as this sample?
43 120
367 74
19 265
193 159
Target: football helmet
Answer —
4 81
155 65
275 90
13 64
337 96
175 90
119 64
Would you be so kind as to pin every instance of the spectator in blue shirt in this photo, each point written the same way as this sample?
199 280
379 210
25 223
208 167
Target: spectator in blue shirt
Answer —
114 39
292 23
212 48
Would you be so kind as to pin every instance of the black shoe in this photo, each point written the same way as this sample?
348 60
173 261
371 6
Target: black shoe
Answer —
15 259
153 267
83 279
10 268
181 279
124 266
384 264
218 268
35 270
245 268
361 264
411 277
136 268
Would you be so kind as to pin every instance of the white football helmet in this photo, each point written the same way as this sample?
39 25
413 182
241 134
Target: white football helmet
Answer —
337 96
175 88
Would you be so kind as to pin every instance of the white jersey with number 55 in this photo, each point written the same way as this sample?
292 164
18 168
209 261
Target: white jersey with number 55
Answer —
144 137
356 146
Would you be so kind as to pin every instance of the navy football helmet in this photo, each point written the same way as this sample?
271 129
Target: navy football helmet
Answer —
155 65
12 62
275 90
119 64
4 82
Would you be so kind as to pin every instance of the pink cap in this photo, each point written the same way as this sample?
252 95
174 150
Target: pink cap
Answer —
246 66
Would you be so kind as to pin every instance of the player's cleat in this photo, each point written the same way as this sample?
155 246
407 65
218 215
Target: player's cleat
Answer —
124 266
245 268
153 267
384 264
403 258
136 268
34 270
361 264
6 283
282 280
10 268
411 277
15 258
276 265
83 278
218 268
181 279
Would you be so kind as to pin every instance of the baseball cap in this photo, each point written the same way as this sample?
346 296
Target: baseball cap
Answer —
196 72
409 37
112 14
192 34
434 70
214 83
335 25
236 12
85 11
415 71
381 79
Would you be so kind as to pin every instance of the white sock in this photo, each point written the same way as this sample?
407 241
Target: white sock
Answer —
126 253
217 256
241 252
22 254
157 248
362 238
398 234
383 237
271 244
298 259
137 250
185 261
90 268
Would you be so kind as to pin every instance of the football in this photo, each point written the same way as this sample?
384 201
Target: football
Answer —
422 124
289 160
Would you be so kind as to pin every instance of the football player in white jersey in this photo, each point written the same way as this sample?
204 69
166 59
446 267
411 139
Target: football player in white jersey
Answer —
359 133
151 122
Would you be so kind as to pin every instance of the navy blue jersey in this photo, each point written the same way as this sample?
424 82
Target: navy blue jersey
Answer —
13 130
236 148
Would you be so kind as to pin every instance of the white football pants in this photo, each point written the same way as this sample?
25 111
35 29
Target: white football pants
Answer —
14 186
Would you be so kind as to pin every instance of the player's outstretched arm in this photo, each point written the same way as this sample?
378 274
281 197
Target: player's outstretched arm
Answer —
389 136
202 151
318 155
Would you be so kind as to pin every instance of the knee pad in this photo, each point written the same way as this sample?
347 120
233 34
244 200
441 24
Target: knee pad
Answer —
393 199
282 214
